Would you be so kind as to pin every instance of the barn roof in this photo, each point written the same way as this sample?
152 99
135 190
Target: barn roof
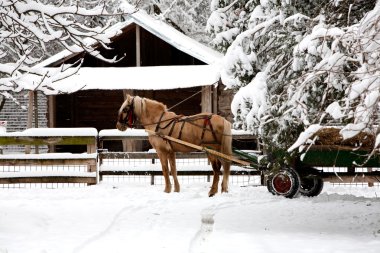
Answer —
162 31
176 38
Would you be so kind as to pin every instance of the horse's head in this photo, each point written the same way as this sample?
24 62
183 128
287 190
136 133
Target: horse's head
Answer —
126 117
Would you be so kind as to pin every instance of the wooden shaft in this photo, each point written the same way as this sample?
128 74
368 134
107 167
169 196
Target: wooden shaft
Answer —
200 148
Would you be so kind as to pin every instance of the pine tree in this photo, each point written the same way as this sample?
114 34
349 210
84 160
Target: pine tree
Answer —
291 62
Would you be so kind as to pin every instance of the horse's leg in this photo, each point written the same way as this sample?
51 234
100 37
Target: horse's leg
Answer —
173 171
215 163
165 170
226 174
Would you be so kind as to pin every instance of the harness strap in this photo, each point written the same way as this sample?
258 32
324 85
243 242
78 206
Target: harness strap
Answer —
180 131
159 122
174 122
207 122
172 128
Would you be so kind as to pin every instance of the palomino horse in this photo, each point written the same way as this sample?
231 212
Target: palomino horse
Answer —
205 129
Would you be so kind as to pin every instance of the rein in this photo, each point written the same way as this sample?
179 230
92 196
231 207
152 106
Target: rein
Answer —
130 119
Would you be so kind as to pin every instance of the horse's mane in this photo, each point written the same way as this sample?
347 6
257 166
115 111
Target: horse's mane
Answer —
154 106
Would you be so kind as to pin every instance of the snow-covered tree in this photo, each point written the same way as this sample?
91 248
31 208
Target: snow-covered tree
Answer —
187 16
298 63
28 26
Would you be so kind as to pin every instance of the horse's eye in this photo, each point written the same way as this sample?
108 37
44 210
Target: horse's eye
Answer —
125 110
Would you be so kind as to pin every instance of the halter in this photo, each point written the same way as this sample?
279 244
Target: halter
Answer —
130 119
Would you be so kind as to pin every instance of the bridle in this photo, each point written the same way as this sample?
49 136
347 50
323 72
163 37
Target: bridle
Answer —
130 119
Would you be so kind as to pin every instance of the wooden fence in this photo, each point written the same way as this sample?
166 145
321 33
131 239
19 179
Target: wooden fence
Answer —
51 137
154 171
94 161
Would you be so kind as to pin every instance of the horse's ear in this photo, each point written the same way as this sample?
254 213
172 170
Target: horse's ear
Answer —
128 98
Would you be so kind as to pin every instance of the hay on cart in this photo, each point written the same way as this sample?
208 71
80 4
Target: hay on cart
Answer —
332 136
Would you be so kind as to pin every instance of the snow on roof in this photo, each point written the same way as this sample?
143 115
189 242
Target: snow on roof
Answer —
176 38
162 31
140 78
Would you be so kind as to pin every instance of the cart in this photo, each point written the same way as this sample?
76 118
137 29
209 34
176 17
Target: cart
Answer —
304 175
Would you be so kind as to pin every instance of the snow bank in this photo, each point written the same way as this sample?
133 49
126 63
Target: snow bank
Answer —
135 217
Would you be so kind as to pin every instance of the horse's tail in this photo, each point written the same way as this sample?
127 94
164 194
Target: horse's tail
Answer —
226 143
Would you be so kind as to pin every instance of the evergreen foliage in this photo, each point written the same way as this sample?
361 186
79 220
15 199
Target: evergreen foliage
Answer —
298 63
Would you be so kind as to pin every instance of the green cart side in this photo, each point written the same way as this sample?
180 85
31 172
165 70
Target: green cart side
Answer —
305 175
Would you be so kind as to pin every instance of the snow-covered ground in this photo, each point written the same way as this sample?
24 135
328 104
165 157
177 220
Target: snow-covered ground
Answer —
134 217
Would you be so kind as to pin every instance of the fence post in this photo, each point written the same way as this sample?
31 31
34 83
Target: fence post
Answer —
91 148
152 179
370 184
262 179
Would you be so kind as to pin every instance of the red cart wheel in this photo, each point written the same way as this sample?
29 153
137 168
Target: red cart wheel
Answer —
285 182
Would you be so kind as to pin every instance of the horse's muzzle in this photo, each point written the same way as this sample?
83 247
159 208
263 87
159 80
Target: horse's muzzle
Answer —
120 126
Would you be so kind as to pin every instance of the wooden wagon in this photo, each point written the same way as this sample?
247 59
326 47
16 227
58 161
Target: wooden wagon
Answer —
305 175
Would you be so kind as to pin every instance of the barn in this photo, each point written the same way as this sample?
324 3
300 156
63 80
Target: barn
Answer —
157 62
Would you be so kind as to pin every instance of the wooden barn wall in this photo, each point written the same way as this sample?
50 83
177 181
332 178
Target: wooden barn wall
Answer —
93 108
96 108
224 102
176 98
156 52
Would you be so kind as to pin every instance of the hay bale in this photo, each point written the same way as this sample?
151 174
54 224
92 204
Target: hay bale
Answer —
331 136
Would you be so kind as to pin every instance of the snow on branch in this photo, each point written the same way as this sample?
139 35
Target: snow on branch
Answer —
28 26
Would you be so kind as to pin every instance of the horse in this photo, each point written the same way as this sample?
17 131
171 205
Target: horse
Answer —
204 129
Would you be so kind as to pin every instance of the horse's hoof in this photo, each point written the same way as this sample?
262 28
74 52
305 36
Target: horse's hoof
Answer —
212 193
